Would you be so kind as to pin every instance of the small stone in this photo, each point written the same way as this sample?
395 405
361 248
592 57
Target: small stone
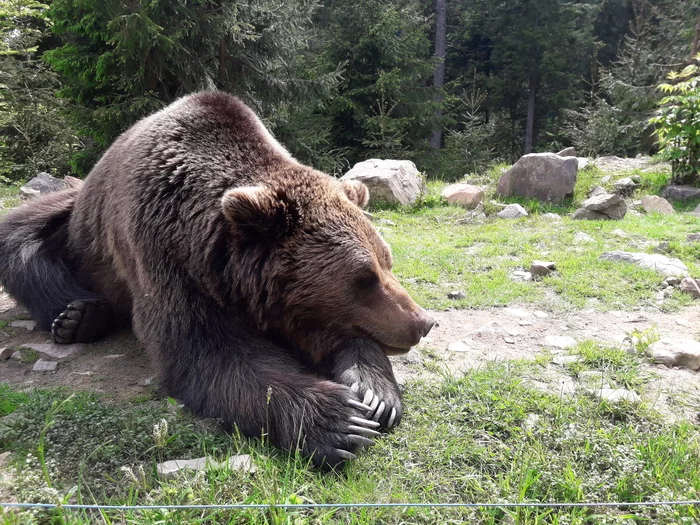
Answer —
655 204
519 275
55 350
683 322
672 281
170 469
605 179
16 356
465 195
115 356
551 216
531 421
563 360
490 328
456 295
540 314
625 186
683 353
458 346
386 222
509 340
512 211
517 312
27 325
4 336
525 322
45 366
560 341
691 286
6 353
663 247
618 233
147 382
568 152
664 285
618 395
581 237
693 237
542 268
595 191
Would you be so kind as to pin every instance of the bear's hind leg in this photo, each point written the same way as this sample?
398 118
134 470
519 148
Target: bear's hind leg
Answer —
83 321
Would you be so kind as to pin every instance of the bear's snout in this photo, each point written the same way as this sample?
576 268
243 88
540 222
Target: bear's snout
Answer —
425 323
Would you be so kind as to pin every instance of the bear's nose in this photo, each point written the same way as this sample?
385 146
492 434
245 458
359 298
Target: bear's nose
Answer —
425 323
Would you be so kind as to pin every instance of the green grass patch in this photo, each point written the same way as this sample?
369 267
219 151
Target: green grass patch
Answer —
487 436
10 400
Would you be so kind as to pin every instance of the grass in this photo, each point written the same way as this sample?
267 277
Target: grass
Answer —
435 251
487 436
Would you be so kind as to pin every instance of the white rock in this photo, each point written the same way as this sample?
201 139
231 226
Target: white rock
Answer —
512 211
458 346
517 312
618 395
44 366
666 265
582 237
540 314
562 360
27 325
683 353
551 216
618 233
170 469
390 181
560 341
55 350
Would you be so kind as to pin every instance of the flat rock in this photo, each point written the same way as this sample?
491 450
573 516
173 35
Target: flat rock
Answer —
617 232
595 191
517 312
551 216
683 353
543 176
668 266
567 152
582 237
656 204
681 193
170 469
560 341
693 237
512 211
55 350
465 195
459 346
519 275
691 286
44 366
618 395
27 325
389 181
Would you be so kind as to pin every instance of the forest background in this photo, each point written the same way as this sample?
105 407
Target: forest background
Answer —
453 85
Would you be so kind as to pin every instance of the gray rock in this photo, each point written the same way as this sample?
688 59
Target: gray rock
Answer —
596 190
28 193
27 325
389 181
655 204
543 176
567 152
44 366
456 295
613 206
542 268
625 186
512 211
683 353
691 286
672 281
666 265
560 341
4 336
55 350
170 469
618 395
465 195
681 193
519 275
459 346
45 183
6 353
605 179
583 214
583 162
582 237
617 232
563 360
663 247
693 237
113 357
551 216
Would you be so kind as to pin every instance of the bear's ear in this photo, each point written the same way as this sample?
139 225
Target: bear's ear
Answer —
260 210
356 192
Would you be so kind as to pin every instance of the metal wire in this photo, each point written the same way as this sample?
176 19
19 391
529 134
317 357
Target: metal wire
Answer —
254 506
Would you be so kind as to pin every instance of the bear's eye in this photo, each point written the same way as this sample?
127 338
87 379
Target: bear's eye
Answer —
367 281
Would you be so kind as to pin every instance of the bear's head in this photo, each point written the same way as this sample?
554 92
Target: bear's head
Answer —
316 270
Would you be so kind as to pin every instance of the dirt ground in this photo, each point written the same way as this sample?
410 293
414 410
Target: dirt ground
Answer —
119 368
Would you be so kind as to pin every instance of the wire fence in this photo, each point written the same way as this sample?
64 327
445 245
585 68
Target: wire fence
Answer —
311 506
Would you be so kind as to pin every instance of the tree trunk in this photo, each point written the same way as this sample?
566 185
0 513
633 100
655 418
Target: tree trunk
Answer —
529 129
439 77
222 60
696 39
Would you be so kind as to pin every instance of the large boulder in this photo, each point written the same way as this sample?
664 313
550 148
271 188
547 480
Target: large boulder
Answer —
463 194
42 184
656 204
389 181
543 176
681 193
602 207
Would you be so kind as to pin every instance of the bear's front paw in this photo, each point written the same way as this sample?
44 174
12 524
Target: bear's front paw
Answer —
378 391
340 433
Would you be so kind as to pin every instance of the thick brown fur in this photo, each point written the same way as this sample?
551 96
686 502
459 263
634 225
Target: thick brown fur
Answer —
258 287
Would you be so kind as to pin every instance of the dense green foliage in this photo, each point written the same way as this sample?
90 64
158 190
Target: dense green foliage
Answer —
678 123
340 82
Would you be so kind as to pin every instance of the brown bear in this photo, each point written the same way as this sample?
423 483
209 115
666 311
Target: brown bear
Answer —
260 290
